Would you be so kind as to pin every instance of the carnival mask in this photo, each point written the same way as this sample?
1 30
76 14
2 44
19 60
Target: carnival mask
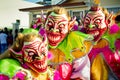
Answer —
56 28
35 54
95 24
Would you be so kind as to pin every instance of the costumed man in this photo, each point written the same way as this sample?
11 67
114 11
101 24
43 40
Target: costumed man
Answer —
113 35
30 51
96 23
69 48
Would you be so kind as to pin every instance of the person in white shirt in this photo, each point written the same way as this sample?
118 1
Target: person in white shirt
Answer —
3 41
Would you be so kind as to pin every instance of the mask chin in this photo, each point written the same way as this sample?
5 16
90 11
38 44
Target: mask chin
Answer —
53 46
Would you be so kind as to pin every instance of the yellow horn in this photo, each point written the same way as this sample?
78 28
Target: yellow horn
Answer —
96 1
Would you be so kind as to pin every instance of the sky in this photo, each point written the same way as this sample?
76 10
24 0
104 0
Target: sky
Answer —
9 12
34 1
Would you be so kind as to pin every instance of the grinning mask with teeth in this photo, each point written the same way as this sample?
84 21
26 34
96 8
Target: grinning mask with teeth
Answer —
56 28
32 50
35 55
95 23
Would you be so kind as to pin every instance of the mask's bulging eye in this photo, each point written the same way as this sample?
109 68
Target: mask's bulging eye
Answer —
33 55
87 21
62 25
43 53
30 56
49 23
30 53
98 21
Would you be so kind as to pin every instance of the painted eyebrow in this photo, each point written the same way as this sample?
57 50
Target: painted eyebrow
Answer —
88 17
51 18
97 17
33 45
30 49
33 49
54 18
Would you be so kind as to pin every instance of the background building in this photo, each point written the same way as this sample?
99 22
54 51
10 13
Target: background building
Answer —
9 12
75 7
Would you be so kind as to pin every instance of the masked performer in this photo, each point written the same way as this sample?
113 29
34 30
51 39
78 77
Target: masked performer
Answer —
69 49
96 23
31 50
67 46
114 39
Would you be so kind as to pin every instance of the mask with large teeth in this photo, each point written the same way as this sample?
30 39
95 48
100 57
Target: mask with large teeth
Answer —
95 24
35 54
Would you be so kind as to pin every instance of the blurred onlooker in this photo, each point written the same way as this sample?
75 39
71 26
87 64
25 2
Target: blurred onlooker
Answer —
21 30
16 33
3 41
117 19
6 30
10 38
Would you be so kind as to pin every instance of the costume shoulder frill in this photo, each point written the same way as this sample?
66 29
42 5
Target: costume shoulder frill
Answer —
74 40
11 69
112 35
30 30
112 55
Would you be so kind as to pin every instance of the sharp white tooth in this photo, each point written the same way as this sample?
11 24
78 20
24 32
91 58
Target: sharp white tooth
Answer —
50 38
57 38
39 66
45 63
54 39
98 32
95 34
42 66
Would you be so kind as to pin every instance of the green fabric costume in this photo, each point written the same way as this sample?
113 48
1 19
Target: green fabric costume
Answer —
74 40
9 67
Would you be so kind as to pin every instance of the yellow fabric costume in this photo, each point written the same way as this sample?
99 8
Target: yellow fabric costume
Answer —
99 68
75 45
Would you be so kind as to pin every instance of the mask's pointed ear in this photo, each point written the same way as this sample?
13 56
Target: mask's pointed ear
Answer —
71 23
44 39
42 17
109 20
82 19
16 53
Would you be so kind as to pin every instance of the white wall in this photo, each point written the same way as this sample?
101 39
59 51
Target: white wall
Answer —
9 12
110 3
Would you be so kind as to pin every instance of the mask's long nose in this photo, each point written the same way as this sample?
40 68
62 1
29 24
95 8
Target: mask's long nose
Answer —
55 30
91 26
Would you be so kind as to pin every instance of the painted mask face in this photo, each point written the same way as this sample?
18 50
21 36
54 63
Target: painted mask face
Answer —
56 28
94 24
35 55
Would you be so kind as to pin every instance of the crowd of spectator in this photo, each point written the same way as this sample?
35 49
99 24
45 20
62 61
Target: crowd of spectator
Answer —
7 38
